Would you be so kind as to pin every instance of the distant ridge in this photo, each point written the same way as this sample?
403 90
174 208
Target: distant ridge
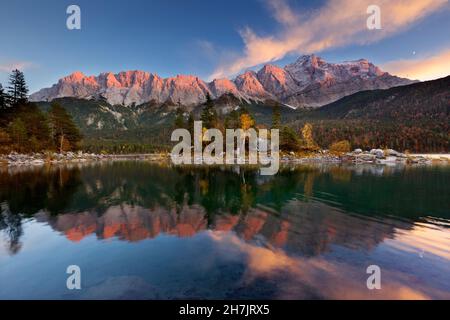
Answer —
429 100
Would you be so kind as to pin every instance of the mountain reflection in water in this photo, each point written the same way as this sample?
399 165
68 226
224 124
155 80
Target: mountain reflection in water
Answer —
227 232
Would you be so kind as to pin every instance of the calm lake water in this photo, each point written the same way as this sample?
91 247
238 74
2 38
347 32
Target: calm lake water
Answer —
139 230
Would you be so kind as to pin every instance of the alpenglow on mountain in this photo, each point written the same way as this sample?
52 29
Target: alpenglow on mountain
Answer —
308 82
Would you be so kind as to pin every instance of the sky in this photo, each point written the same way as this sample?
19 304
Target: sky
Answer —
216 38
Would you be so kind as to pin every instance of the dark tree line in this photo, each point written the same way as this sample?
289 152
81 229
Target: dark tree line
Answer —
421 136
25 128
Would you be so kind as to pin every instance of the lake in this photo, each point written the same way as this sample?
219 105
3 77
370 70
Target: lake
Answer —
142 230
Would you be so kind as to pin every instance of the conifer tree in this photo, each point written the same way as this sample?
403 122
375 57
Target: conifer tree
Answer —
209 114
232 120
65 134
289 141
2 97
36 124
179 118
17 90
190 123
276 117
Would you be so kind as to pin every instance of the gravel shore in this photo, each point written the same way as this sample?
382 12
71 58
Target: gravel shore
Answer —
35 159
375 156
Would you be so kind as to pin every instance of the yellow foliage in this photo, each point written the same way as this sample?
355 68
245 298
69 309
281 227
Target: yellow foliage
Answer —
204 186
340 146
246 121
307 133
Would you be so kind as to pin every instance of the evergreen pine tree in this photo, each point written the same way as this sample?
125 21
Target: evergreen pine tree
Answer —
289 141
2 97
209 114
17 90
179 118
190 123
65 134
36 123
276 117
232 120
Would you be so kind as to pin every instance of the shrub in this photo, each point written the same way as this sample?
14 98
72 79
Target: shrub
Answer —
5 142
341 146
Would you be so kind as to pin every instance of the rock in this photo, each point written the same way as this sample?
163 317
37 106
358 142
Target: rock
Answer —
388 160
366 157
37 162
357 151
375 151
392 152
378 153
12 157
418 160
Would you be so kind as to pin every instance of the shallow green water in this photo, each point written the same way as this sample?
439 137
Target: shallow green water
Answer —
151 231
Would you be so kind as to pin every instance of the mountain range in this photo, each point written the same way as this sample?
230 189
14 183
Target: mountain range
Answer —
414 117
308 82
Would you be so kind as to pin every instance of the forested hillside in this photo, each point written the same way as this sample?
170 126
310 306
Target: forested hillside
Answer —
415 117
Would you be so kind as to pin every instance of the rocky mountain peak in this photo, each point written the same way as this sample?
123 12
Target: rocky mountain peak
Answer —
276 80
249 85
309 81
310 60
220 87
76 76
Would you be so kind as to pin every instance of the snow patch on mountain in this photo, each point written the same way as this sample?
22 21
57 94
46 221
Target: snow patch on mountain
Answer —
308 82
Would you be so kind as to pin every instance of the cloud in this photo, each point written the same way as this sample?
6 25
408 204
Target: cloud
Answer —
426 68
12 65
337 23
333 279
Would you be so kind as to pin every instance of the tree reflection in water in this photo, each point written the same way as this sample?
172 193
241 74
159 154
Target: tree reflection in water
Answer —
11 225
224 232
305 208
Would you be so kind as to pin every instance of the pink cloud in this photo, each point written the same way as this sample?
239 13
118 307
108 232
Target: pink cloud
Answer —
12 65
337 23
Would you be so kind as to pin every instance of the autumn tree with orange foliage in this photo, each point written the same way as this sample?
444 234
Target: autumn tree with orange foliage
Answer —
247 121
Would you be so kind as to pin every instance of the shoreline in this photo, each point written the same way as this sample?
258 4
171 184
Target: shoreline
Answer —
37 159
374 156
